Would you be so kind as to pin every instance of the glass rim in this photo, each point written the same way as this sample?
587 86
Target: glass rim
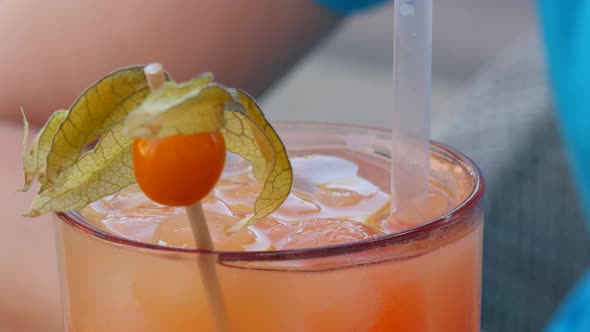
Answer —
469 204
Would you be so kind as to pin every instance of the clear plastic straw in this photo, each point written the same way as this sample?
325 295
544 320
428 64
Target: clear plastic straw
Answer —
412 76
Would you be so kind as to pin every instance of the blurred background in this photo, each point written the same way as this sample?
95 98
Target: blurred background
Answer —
349 77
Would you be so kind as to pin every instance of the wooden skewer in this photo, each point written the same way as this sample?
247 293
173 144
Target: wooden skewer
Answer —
154 74
155 77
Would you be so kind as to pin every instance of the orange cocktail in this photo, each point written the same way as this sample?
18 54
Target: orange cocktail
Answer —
330 259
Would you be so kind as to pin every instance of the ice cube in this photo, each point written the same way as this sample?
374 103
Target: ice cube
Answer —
215 208
137 226
339 197
271 233
128 213
235 165
262 243
129 198
176 232
238 192
325 232
239 198
330 187
436 203
298 206
312 171
354 183
237 187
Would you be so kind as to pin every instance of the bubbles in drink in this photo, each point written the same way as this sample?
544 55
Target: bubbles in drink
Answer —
330 203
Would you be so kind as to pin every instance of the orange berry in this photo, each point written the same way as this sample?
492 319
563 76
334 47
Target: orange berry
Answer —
179 170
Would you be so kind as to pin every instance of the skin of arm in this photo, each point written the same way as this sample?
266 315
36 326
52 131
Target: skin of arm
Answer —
53 50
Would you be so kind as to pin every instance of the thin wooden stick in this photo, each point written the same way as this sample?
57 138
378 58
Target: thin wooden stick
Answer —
154 73
155 77
207 263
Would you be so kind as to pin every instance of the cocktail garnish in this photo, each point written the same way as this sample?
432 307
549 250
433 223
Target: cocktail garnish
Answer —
84 153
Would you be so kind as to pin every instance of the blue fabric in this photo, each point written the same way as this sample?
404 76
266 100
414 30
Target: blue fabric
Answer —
566 29
348 6
573 316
